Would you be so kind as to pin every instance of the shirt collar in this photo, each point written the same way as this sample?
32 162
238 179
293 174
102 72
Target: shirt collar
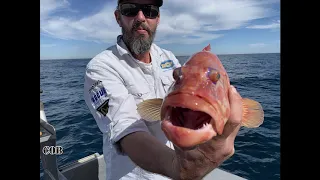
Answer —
121 47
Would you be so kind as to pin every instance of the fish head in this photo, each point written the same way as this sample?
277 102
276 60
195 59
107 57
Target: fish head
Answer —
196 107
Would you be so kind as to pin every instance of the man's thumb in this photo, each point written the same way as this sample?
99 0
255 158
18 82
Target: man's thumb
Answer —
236 105
235 112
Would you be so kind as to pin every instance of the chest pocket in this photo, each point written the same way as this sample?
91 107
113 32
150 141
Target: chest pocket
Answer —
166 81
139 94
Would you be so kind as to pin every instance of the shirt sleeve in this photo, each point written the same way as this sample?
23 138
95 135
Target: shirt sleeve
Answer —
113 108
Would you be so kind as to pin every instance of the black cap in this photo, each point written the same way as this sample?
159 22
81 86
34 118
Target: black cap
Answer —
158 2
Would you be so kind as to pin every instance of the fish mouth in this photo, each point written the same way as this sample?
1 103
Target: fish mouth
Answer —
189 120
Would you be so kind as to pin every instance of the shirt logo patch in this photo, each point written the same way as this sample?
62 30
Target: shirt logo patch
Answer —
98 94
103 109
168 64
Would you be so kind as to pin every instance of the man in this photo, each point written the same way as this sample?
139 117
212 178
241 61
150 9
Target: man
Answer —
124 75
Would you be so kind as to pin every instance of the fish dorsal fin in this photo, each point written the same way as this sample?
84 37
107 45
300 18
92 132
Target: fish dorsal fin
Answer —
150 110
207 48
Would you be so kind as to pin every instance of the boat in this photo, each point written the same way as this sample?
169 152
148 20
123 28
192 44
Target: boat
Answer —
91 167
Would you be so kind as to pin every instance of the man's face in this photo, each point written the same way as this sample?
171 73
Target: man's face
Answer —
138 30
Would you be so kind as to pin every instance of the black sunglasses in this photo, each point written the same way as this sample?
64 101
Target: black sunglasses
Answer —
131 10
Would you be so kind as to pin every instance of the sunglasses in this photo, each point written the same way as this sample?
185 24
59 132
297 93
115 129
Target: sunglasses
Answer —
131 10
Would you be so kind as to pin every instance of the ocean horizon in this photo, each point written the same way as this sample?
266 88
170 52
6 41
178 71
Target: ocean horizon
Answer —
176 56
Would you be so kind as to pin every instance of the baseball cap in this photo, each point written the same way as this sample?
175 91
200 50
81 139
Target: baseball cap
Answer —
158 2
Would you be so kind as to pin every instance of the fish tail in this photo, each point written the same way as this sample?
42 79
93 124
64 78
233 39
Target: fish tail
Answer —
253 114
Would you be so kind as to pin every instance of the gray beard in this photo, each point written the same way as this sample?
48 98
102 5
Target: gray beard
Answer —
137 45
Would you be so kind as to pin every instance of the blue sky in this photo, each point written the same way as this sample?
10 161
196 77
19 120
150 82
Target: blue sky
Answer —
83 28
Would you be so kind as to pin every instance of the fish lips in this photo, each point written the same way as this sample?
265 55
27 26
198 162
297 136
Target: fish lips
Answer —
190 136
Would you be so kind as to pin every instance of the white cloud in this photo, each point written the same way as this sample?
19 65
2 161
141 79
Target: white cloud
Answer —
275 25
48 7
257 45
99 27
192 21
47 45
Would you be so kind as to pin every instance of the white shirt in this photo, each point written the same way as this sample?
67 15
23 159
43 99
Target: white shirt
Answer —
114 79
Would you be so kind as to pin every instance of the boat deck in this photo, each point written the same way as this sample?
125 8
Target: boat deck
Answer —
93 166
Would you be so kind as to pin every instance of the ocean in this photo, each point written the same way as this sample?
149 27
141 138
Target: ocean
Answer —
257 76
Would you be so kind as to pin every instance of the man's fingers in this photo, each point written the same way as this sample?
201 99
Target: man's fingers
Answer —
234 122
236 105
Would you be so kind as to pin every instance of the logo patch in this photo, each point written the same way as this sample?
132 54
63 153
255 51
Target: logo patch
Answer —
168 64
98 94
103 109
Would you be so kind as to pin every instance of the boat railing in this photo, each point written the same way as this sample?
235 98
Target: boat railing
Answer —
48 148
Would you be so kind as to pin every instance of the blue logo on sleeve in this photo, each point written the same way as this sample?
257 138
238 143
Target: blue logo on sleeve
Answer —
102 92
168 64
97 92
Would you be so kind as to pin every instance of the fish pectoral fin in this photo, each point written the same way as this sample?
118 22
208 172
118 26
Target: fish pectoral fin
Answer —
150 109
253 114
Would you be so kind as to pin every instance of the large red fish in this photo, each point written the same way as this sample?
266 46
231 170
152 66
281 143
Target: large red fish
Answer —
197 107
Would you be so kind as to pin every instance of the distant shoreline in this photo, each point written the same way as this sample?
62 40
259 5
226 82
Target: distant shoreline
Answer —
176 56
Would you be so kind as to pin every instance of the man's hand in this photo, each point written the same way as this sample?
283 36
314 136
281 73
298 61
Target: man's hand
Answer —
196 163
150 154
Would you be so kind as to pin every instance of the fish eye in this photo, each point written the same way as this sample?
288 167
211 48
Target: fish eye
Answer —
213 75
177 73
